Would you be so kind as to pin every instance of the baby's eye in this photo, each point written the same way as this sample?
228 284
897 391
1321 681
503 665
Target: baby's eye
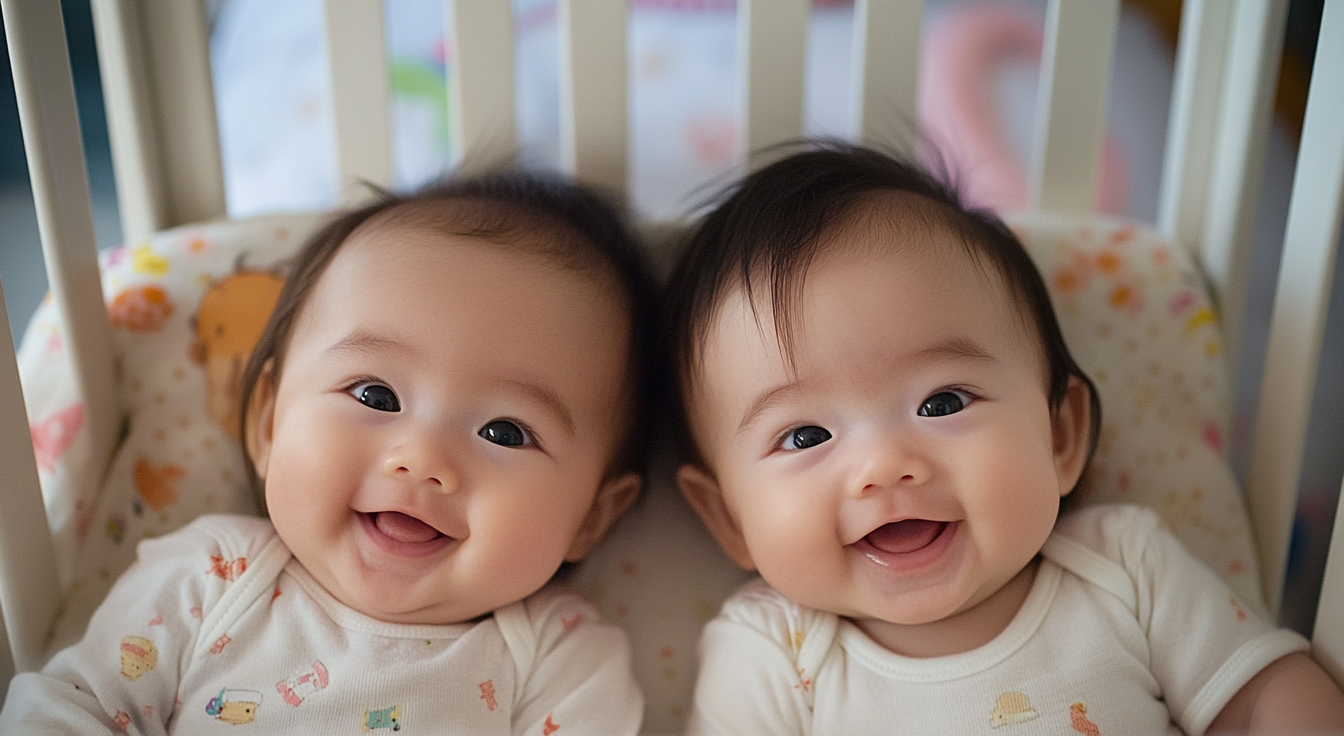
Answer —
505 433
804 437
376 396
943 403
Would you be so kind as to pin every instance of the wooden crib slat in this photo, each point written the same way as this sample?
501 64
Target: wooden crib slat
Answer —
481 128
1238 155
886 71
771 41
28 593
1071 104
184 104
1298 321
128 101
155 65
593 91
1196 98
50 122
359 95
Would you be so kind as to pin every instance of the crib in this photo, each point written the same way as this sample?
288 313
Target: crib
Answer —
166 146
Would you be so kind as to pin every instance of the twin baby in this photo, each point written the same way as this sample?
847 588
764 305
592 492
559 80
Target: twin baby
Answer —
880 415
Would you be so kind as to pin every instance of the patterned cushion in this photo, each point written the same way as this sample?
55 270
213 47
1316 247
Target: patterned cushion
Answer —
187 305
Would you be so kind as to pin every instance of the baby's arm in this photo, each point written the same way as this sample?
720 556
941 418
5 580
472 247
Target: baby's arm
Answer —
581 681
122 677
1293 695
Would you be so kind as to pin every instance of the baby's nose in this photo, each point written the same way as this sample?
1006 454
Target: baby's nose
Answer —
422 462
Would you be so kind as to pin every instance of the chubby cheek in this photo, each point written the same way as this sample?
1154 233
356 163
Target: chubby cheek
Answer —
1019 501
524 537
791 535
313 466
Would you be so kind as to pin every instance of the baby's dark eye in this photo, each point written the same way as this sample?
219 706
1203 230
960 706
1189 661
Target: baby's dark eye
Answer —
376 396
505 433
943 403
804 437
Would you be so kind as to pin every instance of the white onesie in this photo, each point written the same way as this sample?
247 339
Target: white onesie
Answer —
1123 632
216 626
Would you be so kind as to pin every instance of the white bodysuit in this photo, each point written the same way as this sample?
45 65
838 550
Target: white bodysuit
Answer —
1123 632
217 629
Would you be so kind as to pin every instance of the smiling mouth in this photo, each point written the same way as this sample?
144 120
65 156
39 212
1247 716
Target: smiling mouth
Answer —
403 534
404 528
904 537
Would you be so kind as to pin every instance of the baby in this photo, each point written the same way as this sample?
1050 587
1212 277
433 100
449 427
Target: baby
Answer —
882 419
446 405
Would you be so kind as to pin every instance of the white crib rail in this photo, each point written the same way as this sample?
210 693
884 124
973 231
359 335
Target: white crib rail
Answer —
1071 104
155 65
1206 26
481 86
886 71
593 116
46 97
359 95
1298 325
771 41
1239 153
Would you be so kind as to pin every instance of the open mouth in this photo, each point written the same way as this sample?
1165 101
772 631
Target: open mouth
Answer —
403 534
908 543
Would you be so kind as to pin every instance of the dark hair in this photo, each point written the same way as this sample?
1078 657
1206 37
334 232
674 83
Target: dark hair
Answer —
769 226
533 212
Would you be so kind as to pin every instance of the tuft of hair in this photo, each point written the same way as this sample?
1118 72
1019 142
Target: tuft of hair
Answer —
767 228
538 213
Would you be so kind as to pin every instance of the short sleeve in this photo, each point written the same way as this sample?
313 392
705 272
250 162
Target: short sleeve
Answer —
581 679
750 679
123 675
1205 643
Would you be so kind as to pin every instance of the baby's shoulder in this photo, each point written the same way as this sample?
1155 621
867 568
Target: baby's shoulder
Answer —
758 606
224 541
552 615
1116 531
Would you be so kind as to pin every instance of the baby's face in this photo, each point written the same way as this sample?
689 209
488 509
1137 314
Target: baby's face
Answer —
908 467
443 419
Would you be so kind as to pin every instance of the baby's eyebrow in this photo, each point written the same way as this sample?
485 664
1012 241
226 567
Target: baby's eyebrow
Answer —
764 401
549 400
364 343
956 348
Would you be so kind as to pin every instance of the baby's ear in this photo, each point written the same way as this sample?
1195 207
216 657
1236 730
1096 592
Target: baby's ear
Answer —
613 499
703 493
1071 427
259 432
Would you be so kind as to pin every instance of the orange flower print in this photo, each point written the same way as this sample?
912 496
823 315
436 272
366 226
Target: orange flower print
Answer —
488 695
1126 298
550 726
1109 262
140 309
1073 277
157 487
